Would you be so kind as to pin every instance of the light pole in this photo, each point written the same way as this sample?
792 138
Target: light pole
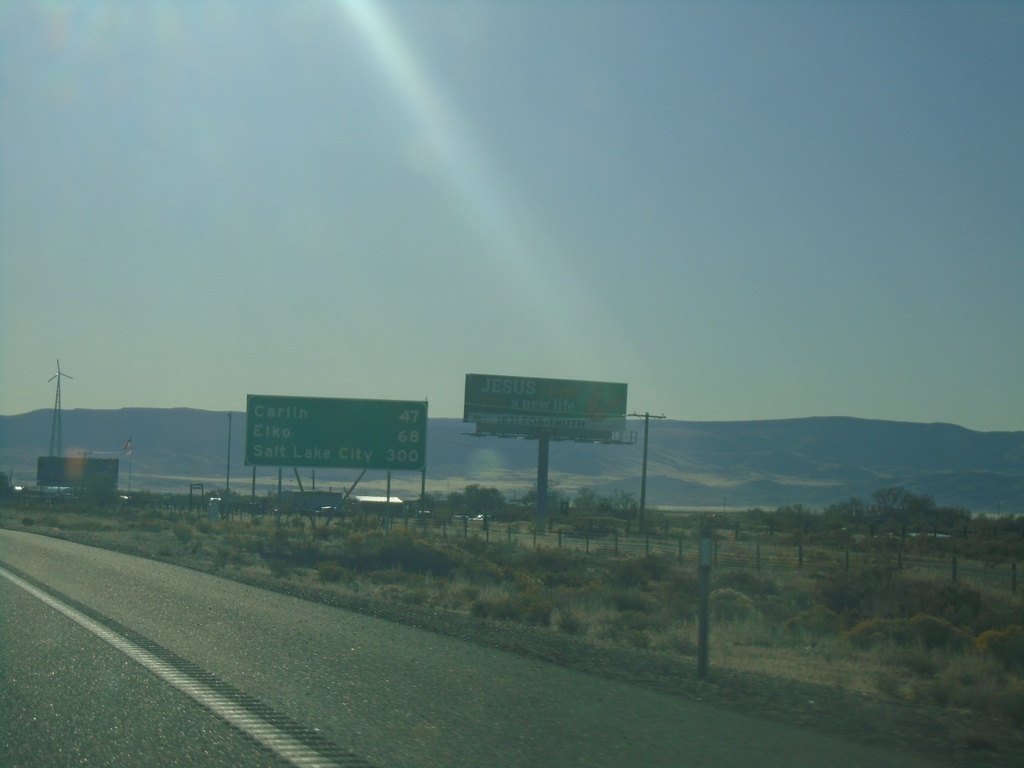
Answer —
643 475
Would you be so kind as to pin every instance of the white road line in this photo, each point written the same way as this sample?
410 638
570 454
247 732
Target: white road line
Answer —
265 733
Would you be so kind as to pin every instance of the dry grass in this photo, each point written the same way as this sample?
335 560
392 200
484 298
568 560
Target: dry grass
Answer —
780 625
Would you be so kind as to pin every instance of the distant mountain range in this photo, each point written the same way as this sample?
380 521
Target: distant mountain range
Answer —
811 461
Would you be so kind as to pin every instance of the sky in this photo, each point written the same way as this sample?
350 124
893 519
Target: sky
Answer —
742 210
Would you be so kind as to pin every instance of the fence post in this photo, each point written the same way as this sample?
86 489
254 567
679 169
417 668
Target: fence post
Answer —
899 560
704 595
559 539
509 534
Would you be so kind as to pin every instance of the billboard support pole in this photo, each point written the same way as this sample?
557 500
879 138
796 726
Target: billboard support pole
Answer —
543 449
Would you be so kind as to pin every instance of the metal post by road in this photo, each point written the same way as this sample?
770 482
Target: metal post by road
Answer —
704 609
423 487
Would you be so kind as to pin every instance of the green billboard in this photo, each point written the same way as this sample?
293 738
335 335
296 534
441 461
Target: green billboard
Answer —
333 432
531 406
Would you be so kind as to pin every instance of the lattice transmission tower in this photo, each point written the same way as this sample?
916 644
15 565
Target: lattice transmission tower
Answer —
56 431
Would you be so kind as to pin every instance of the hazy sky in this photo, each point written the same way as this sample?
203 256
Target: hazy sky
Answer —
744 210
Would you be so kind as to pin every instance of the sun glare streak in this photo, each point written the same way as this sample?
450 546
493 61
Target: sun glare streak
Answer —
520 253
397 60
445 143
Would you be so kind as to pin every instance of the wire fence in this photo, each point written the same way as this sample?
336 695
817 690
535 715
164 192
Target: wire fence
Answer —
794 558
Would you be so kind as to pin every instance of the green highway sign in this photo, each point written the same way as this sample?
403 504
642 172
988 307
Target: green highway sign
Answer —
331 432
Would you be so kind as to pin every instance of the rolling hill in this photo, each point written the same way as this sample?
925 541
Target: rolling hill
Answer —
813 461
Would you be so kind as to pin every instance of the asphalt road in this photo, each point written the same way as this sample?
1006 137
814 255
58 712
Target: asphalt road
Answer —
354 689
69 698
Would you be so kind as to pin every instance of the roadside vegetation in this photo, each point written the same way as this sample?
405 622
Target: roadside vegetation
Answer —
866 628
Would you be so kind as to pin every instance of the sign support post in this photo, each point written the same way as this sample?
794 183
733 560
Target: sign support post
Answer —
543 451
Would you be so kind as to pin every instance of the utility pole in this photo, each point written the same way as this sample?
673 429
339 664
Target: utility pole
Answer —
643 475
227 475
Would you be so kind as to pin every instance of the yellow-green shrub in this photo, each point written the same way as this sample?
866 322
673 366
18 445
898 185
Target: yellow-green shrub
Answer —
929 632
872 632
933 632
816 621
1004 645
